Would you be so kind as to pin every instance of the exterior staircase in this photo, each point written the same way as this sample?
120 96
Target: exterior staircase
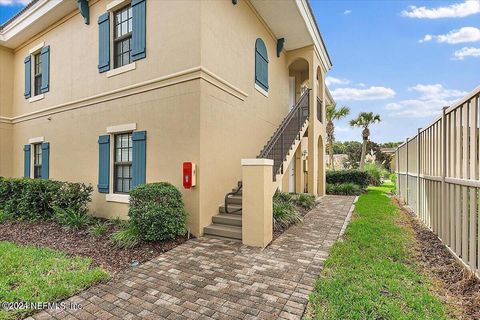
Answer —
281 147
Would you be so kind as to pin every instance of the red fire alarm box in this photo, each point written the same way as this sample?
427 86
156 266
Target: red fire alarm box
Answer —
189 175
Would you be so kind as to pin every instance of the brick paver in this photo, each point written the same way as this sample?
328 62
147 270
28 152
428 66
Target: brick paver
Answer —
216 279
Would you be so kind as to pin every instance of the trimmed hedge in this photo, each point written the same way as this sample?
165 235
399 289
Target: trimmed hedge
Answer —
157 210
360 178
36 198
344 189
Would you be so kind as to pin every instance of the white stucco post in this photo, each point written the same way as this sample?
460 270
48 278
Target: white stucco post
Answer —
257 206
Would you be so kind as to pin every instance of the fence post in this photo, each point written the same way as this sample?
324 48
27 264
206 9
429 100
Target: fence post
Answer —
444 173
406 174
417 209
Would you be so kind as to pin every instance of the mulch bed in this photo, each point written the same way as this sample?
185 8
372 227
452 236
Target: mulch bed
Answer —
459 288
82 243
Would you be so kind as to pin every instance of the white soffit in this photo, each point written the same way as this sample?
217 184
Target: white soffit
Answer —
34 20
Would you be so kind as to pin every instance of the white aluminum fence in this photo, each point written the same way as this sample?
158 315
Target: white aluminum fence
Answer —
438 177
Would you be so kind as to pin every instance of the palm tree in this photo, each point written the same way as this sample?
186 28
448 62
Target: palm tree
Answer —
333 114
364 120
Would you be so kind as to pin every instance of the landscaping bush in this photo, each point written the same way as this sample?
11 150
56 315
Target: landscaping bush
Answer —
304 200
36 198
128 237
157 210
344 189
360 178
3 216
377 173
98 229
75 219
284 211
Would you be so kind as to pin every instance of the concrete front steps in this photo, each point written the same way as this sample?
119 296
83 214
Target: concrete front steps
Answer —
227 225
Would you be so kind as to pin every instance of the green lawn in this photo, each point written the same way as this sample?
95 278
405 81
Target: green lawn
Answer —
372 273
30 274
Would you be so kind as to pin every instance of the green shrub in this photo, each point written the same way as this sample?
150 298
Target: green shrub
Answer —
127 238
3 216
377 173
361 178
344 189
98 229
284 211
71 218
393 177
304 200
157 210
36 198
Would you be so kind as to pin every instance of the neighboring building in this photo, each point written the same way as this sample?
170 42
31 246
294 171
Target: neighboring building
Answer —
119 93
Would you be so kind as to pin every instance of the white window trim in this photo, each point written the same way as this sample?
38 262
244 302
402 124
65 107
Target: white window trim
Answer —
37 48
120 70
36 140
116 197
261 90
122 128
37 97
116 4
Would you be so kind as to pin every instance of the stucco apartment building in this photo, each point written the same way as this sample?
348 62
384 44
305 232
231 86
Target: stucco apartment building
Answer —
117 93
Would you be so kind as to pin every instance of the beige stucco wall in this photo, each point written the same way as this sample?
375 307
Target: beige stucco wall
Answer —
6 86
194 94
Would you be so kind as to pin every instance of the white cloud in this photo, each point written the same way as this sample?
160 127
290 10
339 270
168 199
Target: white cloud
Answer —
14 2
436 91
456 10
462 35
433 97
333 81
347 12
466 52
339 128
372 93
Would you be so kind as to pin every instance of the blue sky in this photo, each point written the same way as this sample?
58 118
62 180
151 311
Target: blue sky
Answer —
401 59
406 54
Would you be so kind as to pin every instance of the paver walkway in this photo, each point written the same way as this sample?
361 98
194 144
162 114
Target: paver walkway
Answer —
216 279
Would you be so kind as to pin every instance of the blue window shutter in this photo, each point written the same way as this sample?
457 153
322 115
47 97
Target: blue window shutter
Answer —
261 64
138 29
104 42
26 161
104 164
28 77
139 158
45 69
45 160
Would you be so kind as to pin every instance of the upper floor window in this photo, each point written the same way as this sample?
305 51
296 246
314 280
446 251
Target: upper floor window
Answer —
128 36
37 161
37 74
122 163
122 36
261 65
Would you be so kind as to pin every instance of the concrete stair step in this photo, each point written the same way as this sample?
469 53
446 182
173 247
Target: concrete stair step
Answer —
228 219
220 230
236 199
231 207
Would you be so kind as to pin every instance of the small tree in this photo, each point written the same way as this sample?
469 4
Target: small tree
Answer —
364 120
332 115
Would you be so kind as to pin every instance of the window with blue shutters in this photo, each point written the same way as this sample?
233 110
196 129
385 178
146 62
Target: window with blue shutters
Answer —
128 34
45 160
37 68
261 64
